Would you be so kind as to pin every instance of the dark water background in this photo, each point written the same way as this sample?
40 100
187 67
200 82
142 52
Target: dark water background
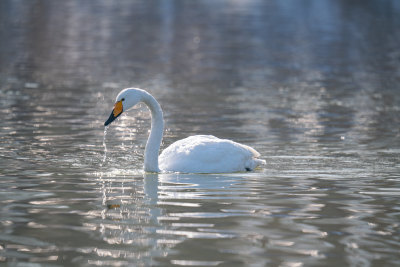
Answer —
314 86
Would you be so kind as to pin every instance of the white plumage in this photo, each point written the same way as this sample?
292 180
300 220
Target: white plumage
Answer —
208 154
194 154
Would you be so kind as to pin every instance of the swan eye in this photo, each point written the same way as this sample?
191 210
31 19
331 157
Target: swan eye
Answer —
123 99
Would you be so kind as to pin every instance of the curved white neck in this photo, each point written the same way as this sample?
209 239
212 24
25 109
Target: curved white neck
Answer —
156 133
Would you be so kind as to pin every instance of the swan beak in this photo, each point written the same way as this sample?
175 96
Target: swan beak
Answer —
118 108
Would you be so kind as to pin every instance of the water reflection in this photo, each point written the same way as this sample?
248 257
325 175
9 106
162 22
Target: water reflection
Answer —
156 211
177 211
312 85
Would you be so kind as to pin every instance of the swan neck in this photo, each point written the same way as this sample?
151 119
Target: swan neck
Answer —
156 133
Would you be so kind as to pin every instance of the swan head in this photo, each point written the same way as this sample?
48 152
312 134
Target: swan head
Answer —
125 100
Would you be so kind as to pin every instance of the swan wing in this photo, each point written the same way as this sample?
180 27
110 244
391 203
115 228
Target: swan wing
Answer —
208 154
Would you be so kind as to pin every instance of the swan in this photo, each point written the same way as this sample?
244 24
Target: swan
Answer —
194 154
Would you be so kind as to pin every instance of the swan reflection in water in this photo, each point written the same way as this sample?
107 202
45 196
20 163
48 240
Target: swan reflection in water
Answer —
162 210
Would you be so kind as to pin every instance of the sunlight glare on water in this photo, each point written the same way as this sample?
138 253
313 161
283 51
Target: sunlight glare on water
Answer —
312 85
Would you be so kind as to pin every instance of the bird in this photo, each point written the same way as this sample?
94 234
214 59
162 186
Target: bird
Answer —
194 154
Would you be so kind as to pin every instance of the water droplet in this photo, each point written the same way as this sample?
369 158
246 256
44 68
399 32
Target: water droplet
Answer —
105 147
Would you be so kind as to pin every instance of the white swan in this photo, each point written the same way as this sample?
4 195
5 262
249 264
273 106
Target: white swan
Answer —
195 154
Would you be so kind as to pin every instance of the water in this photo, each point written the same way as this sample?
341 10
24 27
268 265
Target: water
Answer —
312 85
105 147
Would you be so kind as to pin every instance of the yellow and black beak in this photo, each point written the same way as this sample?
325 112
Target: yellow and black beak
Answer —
118 108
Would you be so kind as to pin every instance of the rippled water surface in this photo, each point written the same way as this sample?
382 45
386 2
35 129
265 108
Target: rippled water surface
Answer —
314 86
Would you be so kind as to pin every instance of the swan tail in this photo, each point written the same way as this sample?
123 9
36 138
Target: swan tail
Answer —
254 163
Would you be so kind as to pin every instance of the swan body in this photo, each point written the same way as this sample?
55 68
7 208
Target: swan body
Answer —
194 154
208 154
